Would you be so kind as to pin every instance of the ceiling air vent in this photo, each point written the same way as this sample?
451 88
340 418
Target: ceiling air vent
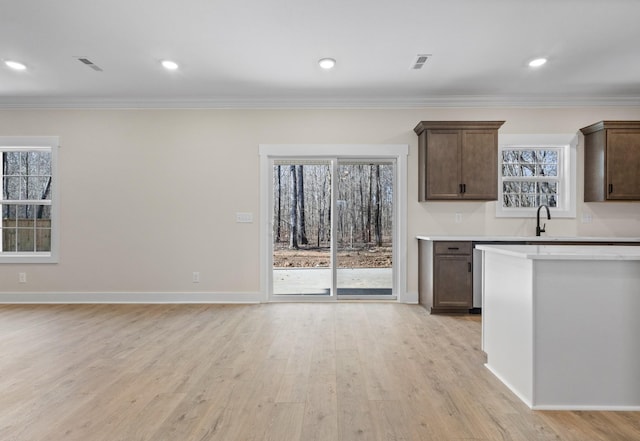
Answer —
420 60
89 63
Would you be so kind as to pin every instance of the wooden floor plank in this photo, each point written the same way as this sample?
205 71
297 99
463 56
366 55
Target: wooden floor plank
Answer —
329 372
320 420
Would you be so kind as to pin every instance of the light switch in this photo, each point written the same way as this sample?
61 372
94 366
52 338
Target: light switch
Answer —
244 218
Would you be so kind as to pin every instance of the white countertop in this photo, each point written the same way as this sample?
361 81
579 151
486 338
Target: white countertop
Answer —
532 238
565 252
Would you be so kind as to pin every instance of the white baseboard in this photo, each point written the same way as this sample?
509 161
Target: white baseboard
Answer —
594 408
517 393
148 297
129 297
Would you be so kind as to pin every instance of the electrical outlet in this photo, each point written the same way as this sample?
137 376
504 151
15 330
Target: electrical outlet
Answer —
587 218
195 277
458 218
22 277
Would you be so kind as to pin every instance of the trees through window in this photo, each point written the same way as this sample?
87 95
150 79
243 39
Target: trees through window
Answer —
26 200
536 169
530 177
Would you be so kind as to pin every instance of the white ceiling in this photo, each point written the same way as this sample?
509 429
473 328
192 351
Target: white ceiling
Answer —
264 53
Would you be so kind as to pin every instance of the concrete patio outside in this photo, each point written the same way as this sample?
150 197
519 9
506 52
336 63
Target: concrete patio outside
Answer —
317 281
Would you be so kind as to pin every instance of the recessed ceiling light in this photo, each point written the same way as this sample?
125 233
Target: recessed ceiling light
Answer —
169 65
537 62
327 63
15 65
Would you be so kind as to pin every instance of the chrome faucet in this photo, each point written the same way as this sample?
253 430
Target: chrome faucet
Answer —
538 229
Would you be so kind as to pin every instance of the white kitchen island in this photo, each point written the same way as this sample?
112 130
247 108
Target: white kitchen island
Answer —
561 324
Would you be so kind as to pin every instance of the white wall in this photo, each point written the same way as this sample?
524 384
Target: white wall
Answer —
149 196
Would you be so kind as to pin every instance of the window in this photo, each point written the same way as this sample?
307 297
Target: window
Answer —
27 200
530 176
536 170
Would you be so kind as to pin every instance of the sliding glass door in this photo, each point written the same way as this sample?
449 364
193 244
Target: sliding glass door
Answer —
301 247
332 228
364 229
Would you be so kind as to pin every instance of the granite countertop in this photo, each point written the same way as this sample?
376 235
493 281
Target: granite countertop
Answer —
565 252
480 238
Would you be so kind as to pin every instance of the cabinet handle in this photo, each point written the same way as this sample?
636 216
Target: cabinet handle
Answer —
464 188
469 266
453 248
461 190
610 188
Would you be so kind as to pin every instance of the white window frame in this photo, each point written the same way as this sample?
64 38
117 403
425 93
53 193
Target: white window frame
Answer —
36 143
567 143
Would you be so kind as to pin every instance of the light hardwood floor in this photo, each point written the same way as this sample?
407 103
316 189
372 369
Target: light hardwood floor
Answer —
347 371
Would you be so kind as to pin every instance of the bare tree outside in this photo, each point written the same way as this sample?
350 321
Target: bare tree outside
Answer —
302 196
302 230
26 193
278 207
530 177
293 209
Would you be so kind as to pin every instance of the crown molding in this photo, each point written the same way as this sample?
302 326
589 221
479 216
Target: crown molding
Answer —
455 101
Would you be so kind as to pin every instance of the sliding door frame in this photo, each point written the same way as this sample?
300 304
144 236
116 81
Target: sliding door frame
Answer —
332 152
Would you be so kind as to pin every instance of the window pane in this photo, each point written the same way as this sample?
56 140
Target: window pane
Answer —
511 170
528 187
528 156
25 239
511 200
26 228
549 200
510 156
43 227
549 187
528 201
43 240
548 170
12 189
9 239
510 187
547 156
13 164
38 188
9 228
528 170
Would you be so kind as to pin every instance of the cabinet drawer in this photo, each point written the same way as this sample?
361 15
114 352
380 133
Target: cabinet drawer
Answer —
452 247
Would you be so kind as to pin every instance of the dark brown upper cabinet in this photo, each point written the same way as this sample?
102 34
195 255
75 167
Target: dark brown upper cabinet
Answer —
458 160
612 161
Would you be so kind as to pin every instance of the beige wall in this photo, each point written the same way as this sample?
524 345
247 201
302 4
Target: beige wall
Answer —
149 196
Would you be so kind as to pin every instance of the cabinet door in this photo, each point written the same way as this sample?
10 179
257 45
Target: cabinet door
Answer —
443 164
480 164
623 164
453 289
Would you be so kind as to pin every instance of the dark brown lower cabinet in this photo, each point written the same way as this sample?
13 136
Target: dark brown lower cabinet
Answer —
445 276
453 283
